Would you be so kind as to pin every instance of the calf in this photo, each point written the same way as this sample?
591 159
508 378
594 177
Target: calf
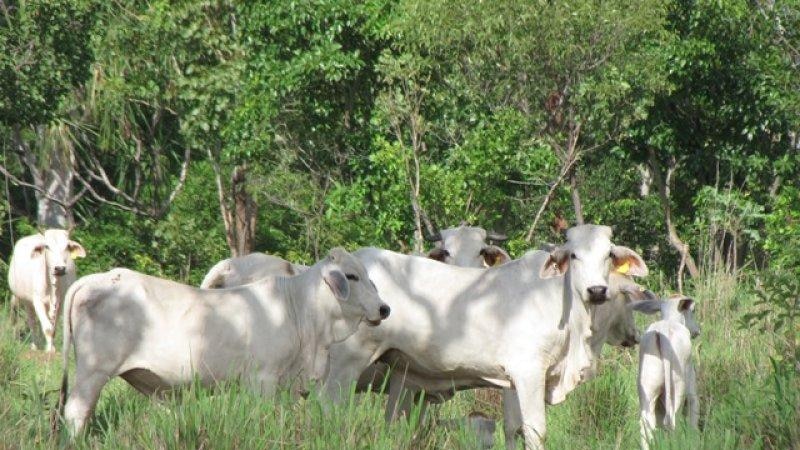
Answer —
666 373
40 272
159 335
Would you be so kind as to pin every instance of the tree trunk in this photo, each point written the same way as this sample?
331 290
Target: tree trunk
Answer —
240 218
244 219
576 196
663 185
52 176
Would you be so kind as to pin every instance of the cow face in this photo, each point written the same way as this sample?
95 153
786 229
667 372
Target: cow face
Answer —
347 279
589 256
58 251
467 247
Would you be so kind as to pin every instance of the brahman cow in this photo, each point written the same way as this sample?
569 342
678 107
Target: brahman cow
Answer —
40 272
525 324
666 372
159 335
248 268
466 246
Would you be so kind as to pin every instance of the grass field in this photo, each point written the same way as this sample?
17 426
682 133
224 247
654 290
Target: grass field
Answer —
745 402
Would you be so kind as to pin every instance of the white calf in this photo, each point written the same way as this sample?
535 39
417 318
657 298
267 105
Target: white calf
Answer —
666 373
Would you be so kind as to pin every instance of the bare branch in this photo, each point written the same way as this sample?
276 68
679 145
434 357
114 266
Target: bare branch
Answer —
38 189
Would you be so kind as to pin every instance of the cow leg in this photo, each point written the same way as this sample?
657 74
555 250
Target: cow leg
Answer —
401 398
44 320
512 417
82 399
530 386
343 370
692 403
647 421
30 318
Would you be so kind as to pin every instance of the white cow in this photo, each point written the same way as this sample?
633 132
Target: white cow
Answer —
466 246
248 268
666 372
159 335
40 272
521 324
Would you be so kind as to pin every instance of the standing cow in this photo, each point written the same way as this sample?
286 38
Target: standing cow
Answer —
159 335
40 272
524 324
666 373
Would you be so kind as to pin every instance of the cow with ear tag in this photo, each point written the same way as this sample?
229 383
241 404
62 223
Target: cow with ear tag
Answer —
159 335
41 270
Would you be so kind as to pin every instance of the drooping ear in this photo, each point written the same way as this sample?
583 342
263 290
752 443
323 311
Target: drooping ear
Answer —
686 303
633 292
646 306
628 262
337 281
76 250
494 256
38 250
556 264
439 254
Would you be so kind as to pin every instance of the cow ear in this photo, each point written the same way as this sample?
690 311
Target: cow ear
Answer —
646 306
494 256
439 254
76 250
337 281
556 264
38 250
686 304
628 262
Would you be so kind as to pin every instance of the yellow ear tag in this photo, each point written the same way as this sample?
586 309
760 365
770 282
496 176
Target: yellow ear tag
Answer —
624 267
74 254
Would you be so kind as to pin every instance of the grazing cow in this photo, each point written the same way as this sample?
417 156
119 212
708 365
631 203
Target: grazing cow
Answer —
466 246
520 325
40 272
666 372
159 335
248 268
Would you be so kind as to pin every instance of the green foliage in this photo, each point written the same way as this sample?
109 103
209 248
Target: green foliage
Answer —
44 53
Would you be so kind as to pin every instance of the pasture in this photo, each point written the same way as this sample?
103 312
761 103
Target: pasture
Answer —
745 403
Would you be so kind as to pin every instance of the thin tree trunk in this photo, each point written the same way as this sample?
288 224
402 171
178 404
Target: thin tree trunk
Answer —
663 185
576 196
244 220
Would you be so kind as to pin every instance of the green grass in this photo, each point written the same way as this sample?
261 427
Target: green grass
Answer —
745 402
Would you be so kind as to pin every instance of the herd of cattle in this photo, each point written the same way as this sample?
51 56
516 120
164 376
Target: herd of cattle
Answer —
464 316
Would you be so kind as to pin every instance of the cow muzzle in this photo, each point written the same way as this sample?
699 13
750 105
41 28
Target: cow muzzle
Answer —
59 270
597 294
383 313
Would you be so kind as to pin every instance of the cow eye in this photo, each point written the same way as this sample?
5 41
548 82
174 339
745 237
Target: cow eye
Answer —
352 277
572 256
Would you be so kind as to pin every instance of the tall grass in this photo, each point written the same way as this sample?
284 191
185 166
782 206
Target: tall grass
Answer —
746 402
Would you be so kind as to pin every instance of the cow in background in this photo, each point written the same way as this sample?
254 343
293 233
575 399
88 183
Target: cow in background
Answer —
41 270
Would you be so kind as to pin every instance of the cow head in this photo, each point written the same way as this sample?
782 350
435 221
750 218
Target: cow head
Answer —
467 246
588 257
676 307
59 251
347 280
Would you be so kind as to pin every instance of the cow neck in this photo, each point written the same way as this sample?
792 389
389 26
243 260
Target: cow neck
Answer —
576 324
307 309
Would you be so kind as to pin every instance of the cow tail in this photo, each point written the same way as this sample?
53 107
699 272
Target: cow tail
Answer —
669 401
65 347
